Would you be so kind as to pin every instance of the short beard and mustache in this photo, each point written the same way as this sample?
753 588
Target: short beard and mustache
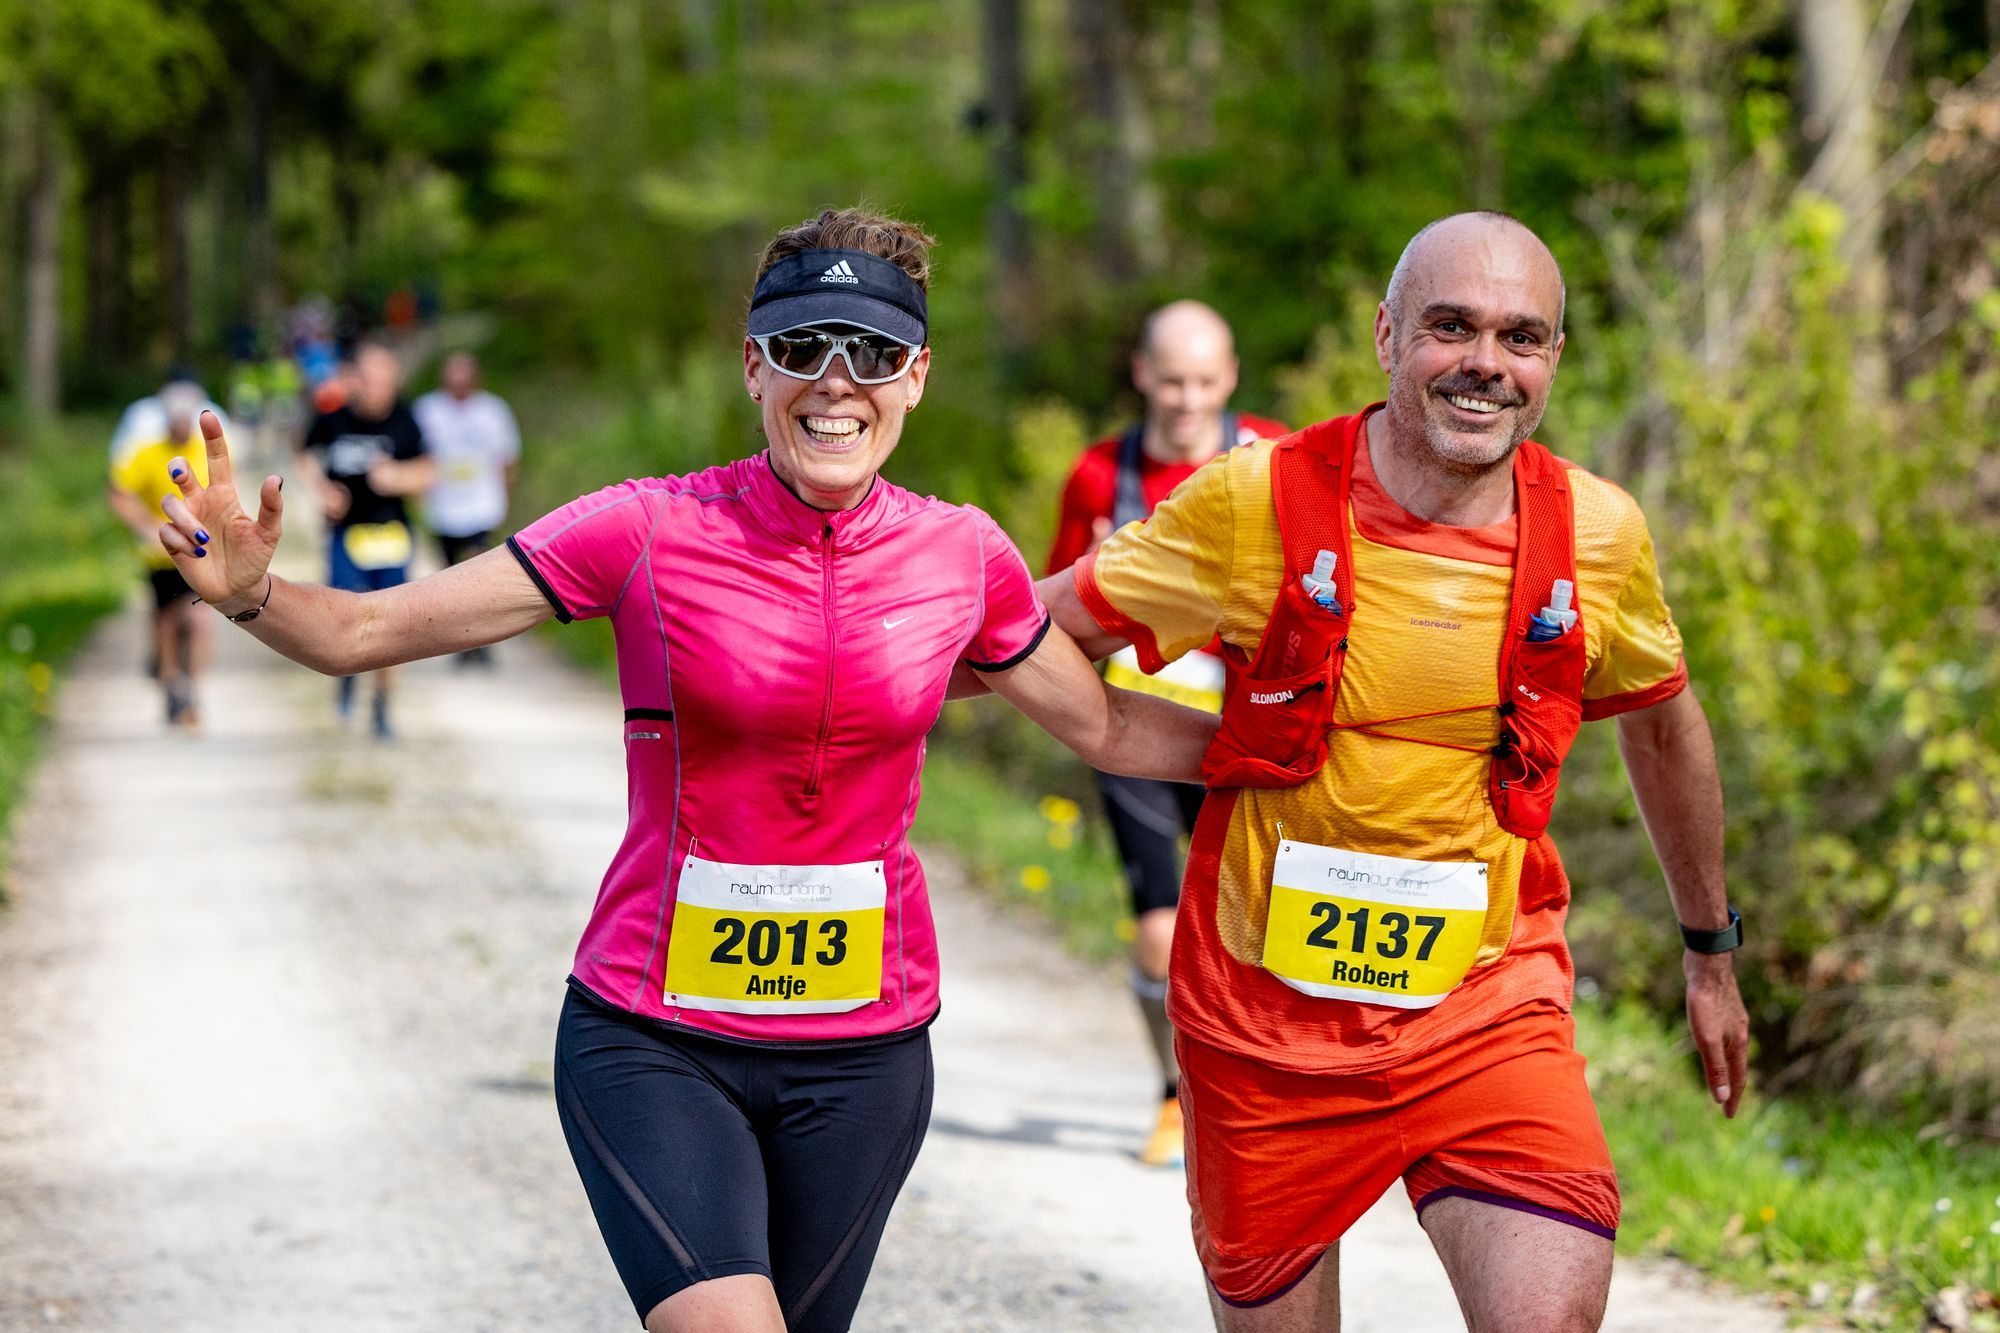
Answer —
1446 443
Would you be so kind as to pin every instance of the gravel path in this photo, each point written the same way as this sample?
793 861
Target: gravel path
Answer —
294 1073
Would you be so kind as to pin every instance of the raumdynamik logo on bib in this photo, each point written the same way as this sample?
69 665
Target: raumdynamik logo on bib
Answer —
840 273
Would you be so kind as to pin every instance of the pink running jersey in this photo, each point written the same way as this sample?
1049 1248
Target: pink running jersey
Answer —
780 668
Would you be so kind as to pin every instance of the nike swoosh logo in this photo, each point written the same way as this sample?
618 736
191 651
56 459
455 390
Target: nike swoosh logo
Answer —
891 624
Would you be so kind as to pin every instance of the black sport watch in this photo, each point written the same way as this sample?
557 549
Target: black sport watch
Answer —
1715 941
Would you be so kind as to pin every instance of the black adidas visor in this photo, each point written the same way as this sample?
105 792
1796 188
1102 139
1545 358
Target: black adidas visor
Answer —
839 287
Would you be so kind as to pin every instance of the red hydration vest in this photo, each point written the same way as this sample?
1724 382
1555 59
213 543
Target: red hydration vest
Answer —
1278 708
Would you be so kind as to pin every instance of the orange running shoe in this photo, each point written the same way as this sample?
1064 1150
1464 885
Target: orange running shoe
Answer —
1164 1146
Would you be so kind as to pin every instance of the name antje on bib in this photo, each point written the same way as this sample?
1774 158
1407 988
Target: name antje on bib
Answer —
776 939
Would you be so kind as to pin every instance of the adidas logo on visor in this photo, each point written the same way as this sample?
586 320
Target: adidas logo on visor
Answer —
840 273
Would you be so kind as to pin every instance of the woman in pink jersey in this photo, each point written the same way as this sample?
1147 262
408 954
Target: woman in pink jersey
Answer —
742 1065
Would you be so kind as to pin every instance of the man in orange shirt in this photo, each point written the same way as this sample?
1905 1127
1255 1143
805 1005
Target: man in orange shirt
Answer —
1185 370
1370 980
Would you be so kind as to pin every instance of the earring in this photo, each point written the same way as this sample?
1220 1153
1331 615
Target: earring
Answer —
756 397
909 407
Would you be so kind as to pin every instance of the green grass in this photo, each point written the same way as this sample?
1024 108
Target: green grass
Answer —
1792 1196
63 566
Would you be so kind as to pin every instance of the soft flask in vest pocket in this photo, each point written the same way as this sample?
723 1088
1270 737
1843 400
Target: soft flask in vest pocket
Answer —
1276 733
1538 723
1278 708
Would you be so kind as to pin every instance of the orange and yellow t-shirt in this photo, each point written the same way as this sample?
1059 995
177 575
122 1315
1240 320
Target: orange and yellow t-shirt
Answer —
1425 637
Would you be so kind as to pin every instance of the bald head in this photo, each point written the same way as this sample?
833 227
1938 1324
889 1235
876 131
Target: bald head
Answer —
1498 235
1186 369
1186 325
1469 333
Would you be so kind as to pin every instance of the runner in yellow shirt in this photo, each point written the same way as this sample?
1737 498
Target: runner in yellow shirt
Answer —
151 434
1418 607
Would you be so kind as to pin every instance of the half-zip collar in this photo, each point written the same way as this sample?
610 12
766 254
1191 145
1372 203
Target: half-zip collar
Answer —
793 519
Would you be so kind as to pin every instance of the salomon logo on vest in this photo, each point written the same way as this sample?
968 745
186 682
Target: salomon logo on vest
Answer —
840 273
1275 697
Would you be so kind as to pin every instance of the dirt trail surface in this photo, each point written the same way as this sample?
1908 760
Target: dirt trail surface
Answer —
276 1007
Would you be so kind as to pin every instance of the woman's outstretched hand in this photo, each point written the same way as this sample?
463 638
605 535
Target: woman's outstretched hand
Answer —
221 551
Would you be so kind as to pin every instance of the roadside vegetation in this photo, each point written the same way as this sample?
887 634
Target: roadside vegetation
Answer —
63 566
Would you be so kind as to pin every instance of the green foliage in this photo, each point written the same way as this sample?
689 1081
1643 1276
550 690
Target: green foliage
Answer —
1832 570
1870 1218
63 565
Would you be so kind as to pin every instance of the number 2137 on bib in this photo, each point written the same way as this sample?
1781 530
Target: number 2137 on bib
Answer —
1379 929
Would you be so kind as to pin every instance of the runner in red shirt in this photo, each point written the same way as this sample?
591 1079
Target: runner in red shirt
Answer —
1185 369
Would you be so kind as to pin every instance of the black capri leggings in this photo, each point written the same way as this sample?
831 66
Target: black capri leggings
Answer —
705 1158
1147 819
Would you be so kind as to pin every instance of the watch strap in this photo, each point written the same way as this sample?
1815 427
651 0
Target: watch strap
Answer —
1715 941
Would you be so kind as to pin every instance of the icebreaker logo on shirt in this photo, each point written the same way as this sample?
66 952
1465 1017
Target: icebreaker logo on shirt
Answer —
840 273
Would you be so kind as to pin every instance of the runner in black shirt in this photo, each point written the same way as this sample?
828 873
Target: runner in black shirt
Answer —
363 458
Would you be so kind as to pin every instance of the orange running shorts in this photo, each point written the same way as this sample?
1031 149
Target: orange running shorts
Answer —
1280 1164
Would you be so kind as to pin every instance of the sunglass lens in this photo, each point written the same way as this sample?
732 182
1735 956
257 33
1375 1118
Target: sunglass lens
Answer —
877 358
799 353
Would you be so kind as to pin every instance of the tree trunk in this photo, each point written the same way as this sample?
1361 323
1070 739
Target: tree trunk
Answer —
1838 95
1205 74
1468 61
1007 155
170 240
260 242
41 316
1116 137
108 273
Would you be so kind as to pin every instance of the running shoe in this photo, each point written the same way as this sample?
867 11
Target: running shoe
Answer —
1165 1145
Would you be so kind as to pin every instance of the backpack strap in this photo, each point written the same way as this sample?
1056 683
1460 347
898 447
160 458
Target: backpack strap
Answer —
1277 706
1541 684
1128 501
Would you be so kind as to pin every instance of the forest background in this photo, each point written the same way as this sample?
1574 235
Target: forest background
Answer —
1777 219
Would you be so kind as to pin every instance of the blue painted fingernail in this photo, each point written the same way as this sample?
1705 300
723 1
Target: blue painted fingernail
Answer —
176 474
199 553
201 536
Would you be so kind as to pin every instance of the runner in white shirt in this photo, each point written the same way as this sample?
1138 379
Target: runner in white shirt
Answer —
476 442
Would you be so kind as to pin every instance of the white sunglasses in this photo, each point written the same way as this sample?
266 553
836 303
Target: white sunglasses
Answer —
872 357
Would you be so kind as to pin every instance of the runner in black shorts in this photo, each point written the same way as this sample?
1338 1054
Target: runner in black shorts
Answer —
655 1117
1185 369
